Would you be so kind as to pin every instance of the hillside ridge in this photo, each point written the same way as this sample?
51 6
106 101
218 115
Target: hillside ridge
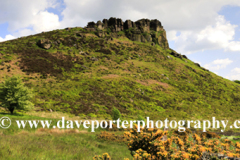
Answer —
127 65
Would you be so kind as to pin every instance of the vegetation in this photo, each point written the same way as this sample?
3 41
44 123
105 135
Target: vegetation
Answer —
116 114
149 145
14 95
237 81
86 75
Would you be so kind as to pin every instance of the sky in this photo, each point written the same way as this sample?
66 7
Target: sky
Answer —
206 31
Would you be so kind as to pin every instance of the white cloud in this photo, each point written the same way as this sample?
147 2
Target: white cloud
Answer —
233 46
236 70
45 21
217 36
234 74
233 77
218 64
7 37
25 14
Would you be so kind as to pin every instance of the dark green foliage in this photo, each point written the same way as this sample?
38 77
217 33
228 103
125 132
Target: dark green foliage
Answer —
116 114
14 95
237 81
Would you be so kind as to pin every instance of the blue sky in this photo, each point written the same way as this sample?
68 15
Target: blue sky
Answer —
208 32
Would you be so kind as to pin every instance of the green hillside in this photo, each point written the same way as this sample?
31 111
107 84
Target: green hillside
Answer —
82 72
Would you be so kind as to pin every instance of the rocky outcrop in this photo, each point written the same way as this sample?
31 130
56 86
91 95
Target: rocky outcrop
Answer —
178 55
44 43
143 30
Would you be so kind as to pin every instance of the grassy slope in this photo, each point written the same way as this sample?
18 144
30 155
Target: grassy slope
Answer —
135 77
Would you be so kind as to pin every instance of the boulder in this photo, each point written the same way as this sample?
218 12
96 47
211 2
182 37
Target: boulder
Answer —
105 23
197 64
44 43
100 33
143 25
184 56
155 25
128 24
91 25
99 25
115 24
175 54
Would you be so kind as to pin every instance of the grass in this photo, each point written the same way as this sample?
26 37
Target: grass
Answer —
58 146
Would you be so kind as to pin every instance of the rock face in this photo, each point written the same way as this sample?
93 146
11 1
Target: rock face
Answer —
143 30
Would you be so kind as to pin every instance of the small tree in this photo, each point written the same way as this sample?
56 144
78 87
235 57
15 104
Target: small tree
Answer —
14 95
116 114
237 81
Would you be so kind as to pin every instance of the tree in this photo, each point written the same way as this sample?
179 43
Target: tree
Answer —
116 114
14 95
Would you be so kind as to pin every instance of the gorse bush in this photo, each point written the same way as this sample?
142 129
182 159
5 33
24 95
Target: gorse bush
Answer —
150 145
116 114
14 95
105 156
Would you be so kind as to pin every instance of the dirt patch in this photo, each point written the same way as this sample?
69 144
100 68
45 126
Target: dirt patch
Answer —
90 35
126 72
58 131
103 67
14 70
110 76
123 41
150 82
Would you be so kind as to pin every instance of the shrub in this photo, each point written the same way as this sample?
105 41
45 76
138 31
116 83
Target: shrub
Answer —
148 144
116 114
105 156
237 81
14 95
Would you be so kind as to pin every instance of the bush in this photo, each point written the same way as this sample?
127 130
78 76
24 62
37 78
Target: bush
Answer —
116 114
149 144
237 81
105 156
14 95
